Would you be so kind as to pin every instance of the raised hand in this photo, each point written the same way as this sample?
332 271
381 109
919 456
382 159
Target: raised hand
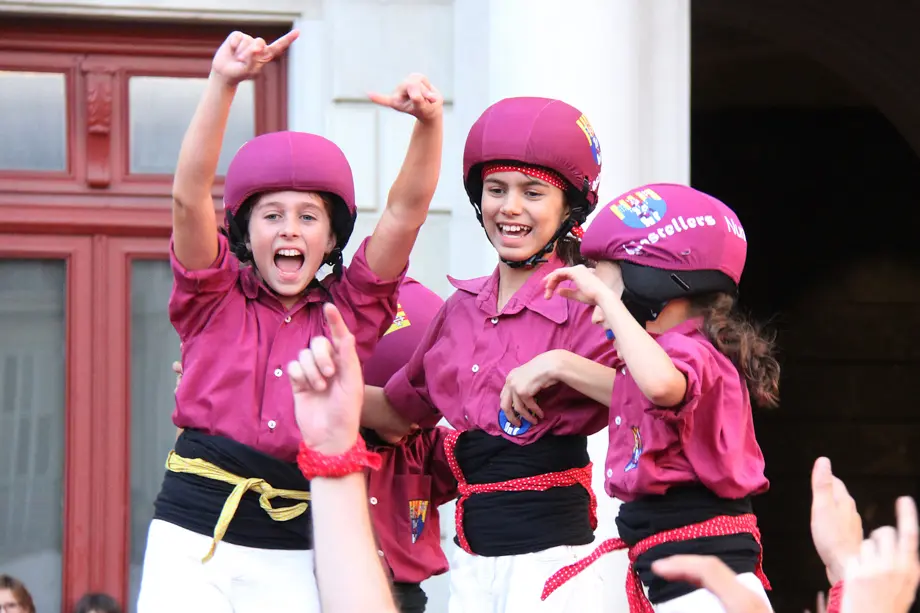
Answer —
883 577
242 57
415 96
586 287
328 388
836 527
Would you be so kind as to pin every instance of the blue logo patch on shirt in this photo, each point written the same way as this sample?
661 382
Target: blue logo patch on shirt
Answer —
509 428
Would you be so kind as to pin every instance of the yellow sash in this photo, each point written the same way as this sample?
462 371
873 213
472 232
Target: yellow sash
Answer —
178 464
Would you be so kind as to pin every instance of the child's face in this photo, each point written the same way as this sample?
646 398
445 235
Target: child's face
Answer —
520 213
609 273
290 233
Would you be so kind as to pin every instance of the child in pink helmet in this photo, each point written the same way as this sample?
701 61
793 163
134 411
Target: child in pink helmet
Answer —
414 478
683 456
231 528
520 378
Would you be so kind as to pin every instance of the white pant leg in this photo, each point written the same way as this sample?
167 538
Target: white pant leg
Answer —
471 579
525 576
514 584
704 601
273 580
174 578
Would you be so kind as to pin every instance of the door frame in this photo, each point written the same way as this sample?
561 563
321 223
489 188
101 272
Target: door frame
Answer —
81 526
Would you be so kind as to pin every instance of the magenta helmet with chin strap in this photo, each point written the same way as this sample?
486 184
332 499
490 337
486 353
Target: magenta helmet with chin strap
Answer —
295 161
536 133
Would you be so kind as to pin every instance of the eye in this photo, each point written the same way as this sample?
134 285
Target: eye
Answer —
272 216
495 191
308 217
533 194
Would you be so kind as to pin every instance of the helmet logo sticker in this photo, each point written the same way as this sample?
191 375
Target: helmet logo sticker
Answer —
595 144
641 209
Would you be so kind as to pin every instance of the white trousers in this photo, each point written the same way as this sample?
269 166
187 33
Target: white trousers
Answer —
513 584
704 601
236 580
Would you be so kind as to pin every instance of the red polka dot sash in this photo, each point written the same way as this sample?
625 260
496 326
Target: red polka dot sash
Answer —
537 483
723 525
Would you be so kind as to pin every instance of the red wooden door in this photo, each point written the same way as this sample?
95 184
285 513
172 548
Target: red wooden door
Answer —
92 114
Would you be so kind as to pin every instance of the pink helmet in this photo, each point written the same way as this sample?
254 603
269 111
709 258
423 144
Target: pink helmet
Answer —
418 306
536 132
671 241
296 161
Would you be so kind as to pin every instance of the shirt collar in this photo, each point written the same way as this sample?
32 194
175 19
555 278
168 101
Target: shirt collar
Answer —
529 296
252 286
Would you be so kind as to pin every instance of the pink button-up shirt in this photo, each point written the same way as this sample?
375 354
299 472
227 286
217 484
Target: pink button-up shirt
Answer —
708 438
237 340
460 367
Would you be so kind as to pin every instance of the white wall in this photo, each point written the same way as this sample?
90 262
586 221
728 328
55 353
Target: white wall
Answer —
356 46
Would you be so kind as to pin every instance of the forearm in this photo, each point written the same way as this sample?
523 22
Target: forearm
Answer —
409 198
201 146
194 221
414 187
378 414
650 366
586 376
345 552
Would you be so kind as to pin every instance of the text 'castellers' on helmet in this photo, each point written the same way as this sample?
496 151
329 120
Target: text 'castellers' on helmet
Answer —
294 161
539 132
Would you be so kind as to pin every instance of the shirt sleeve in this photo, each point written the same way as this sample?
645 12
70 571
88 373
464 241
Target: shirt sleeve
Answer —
694 361
197 294
714 421
443 482
407 390
367 303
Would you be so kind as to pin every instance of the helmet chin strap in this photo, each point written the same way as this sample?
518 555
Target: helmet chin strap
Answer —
538 258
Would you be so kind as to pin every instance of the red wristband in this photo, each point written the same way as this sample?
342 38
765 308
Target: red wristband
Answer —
835 598
314 464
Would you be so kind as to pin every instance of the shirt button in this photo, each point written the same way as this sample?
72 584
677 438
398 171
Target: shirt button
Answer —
380 552
618 421
373 500
278 372
623 371
475 367
609 473
466 416
271 424
494 320
287 319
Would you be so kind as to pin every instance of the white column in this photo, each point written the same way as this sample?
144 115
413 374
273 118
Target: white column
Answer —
626 65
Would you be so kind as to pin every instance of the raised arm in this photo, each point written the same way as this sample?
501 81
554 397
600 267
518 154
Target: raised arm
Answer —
240 57
328 386
410 196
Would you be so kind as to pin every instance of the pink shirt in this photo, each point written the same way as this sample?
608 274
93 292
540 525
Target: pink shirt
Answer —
708 439
237 340
405 493
459 369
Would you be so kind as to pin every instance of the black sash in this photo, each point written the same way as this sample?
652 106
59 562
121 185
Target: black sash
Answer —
513 523
679 507
195 503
